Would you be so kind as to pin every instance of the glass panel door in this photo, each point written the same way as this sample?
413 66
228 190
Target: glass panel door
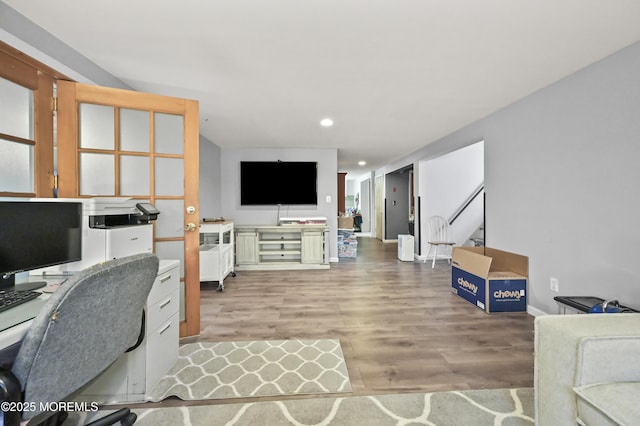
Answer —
16 138
137 145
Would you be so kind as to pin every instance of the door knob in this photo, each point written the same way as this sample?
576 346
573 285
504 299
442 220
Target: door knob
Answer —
190 227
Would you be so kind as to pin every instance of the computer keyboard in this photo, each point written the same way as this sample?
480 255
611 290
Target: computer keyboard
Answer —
10 299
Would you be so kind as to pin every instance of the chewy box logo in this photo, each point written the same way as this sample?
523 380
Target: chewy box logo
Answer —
468 286
507 295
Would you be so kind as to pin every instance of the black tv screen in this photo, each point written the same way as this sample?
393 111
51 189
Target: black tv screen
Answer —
265 183
37 234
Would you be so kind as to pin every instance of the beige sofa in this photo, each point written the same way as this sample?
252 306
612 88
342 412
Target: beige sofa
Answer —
587 369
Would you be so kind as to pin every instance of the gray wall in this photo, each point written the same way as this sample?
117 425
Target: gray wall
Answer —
561 176
210 179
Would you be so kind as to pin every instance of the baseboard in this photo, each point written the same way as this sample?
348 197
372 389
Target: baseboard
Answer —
334 260
535 312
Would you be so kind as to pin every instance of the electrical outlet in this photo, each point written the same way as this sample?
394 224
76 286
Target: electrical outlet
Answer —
553 284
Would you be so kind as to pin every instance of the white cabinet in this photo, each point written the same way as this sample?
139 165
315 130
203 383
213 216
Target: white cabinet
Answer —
246 246
132 377
281 247
217 241
312 250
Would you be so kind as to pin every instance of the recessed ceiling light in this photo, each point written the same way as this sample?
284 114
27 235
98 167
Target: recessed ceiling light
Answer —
326 122
362 163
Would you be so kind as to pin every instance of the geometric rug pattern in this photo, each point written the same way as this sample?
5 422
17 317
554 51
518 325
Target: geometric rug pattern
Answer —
219 370
506 407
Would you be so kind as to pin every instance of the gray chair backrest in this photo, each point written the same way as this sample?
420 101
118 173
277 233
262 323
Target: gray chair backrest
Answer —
92 319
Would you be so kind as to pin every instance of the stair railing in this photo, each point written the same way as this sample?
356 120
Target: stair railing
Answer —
466 203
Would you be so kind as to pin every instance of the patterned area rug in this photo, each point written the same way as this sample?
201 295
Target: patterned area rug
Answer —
260 368
506 407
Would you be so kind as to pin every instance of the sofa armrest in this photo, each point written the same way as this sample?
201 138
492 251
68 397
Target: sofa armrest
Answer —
557 342
608 359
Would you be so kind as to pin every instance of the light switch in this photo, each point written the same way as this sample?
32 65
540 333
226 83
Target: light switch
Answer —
328 199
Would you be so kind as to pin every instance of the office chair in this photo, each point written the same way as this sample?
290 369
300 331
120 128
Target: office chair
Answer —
438 235
92 319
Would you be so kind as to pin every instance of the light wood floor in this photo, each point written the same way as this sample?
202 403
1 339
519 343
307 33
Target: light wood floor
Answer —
400 327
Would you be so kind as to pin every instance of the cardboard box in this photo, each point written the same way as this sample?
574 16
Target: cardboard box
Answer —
348 250
493 280
345 222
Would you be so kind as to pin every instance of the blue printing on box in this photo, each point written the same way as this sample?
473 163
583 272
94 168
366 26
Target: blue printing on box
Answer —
505 295
508 295
468 286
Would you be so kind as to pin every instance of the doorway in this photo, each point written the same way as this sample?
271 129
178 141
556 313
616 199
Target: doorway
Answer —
398 202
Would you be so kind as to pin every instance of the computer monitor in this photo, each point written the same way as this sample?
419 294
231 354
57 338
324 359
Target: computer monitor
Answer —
37 234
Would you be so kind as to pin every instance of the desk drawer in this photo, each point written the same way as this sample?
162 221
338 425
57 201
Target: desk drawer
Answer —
162 350
164 285
162 310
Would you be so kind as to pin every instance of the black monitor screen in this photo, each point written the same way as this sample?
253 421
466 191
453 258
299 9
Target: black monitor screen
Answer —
37 234
278 182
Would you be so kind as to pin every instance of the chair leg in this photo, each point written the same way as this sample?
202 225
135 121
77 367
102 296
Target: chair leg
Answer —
435 254
427 255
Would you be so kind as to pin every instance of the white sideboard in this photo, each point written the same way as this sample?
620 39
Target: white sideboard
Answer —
132 377
281 247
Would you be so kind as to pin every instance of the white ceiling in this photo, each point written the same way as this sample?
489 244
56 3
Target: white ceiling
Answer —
395 75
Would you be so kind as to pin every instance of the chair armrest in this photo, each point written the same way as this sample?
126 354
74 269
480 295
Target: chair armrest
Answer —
607 359
10 391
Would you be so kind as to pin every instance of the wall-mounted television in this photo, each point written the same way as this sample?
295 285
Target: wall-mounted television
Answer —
264 183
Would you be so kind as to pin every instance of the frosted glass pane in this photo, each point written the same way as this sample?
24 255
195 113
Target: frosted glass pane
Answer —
135 175
97 174
169 176
16 167
174 250
168 250
170 223
97 127
134 130
169 133
16 110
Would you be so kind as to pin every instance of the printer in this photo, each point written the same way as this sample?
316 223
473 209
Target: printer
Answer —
112 227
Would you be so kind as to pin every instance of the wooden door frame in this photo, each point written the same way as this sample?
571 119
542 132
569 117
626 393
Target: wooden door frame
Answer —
27 72
69 96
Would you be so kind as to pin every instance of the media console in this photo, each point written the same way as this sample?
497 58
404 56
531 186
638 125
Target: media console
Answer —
281 247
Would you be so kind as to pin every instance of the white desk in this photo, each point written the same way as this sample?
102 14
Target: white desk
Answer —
15 322
132 376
